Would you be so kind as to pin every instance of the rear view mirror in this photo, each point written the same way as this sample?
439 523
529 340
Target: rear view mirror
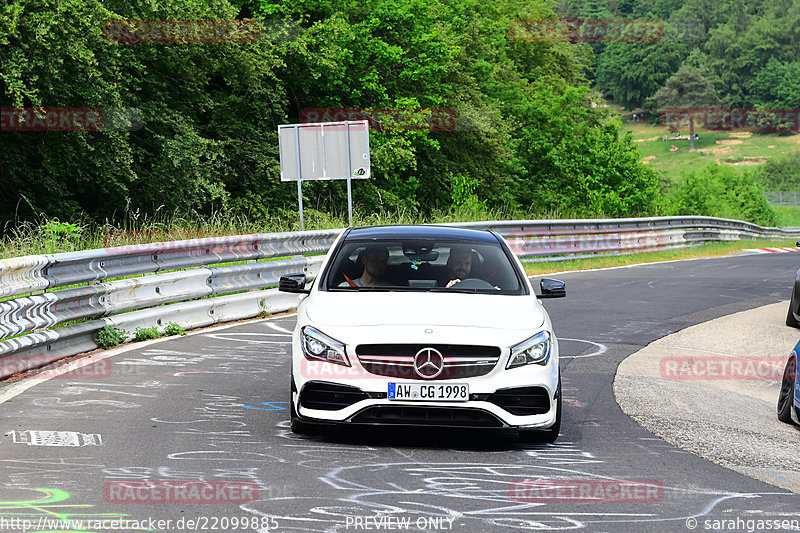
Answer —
420 251
552 288
293 283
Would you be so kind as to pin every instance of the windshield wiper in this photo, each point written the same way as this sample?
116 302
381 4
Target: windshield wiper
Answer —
368 289
463 291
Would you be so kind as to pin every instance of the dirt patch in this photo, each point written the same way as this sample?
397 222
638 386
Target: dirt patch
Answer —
645 140
741 134
746 161
714 150
771 146
648 157
728 141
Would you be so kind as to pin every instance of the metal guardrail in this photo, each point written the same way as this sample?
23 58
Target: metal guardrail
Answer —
537 240
204 294
159 295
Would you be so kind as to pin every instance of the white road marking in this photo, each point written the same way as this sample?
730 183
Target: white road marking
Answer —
24 384
34 437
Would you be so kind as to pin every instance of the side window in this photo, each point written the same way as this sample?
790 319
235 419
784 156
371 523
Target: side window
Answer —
348 264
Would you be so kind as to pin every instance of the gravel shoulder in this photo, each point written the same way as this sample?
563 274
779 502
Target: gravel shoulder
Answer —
680 389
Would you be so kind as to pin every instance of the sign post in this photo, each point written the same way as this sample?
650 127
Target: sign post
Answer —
324 151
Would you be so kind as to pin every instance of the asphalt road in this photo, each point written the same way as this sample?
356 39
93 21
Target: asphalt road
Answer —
212 407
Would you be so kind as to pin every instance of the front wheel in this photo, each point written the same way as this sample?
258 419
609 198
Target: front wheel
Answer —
791 321
550 434
786 396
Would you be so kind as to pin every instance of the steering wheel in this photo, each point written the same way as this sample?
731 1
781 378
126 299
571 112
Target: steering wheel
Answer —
472 283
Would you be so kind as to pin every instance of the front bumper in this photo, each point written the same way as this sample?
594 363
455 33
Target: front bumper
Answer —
519 398
505 408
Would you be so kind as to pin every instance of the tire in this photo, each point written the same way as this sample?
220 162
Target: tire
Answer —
786 396
549 435
298 427
791 321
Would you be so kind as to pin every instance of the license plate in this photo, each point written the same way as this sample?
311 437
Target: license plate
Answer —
451 392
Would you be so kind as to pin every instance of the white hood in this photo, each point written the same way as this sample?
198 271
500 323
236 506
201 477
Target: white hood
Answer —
425 309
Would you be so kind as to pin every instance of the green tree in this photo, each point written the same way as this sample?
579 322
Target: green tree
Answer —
527 133
632 72
208 111
687 89
573 158
778 85
751 34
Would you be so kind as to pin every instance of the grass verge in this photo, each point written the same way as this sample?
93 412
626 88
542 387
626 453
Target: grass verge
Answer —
788 215
715 249
33 238
740 149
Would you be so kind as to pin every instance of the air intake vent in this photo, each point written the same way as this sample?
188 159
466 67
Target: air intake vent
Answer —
329 396
522 401
427 416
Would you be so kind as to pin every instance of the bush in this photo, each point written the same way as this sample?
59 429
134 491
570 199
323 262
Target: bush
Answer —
143 334
62 231
174 329
108 337
721 191
781 173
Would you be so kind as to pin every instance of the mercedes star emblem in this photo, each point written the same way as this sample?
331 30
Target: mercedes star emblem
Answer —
428 363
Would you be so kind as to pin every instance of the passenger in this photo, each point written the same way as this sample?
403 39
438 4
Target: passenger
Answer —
374 260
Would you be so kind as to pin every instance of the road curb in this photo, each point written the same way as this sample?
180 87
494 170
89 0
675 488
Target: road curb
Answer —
728 420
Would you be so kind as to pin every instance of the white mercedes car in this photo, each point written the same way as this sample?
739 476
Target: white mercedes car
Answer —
424 326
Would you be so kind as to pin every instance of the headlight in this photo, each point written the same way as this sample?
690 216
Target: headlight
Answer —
535 350
318 346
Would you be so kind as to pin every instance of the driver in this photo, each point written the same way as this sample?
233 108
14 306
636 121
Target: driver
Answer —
459 265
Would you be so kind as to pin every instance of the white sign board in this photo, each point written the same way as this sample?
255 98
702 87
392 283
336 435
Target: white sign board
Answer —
324 150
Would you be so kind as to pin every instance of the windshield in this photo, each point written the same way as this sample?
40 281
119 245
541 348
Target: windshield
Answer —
425 266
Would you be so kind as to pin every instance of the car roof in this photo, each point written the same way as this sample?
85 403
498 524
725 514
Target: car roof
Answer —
447 233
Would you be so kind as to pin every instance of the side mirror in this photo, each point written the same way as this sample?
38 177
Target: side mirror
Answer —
293 283
552 288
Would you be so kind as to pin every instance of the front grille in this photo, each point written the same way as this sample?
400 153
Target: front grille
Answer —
522 401
427 416
329 396
397 360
